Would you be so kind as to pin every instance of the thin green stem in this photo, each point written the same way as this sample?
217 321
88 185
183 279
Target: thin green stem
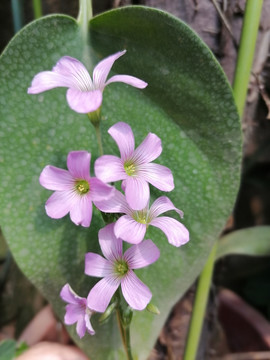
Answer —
246 52
121 329
128 346
99 138
199 307
240 86
17 14
37 7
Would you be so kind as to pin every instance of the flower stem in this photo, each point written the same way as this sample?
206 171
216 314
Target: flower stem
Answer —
240 86
37 7
95 118
123 328
246 52
199 307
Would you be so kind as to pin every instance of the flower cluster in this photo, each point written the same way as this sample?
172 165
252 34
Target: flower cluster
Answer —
75 191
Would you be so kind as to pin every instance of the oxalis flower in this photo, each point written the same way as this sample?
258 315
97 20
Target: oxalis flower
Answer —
116 269
84 95
132 226
77 311
135 167
74 189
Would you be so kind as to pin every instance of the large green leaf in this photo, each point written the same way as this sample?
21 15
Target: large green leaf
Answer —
188 103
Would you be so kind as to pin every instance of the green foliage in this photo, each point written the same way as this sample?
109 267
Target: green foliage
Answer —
7 349
188 103
253 241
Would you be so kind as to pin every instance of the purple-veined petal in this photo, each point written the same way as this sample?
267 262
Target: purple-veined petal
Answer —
84 102
96 265
136 293
148 150
81 212
74 312
78 164
110 245
109 168
74 70
100 191
141 255
102 69
88 325
158 175
115 204
137 193
47 80
124 138
176 232
161 205
68 295
53 178
129 230
81 326
127 79
60 202
100 295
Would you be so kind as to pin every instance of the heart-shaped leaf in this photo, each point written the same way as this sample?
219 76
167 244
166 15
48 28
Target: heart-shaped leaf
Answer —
188 103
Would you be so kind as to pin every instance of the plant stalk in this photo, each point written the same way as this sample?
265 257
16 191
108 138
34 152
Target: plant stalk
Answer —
17 14
240 87
84 16
246 52
199 307
37 7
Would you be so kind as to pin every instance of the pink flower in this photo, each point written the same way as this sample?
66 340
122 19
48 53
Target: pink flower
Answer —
135 167
83 95
77 311
117 269
74 189
132 226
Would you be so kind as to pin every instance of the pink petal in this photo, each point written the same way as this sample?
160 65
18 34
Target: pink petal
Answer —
74 312
74 70
47 80
124 138
115 204
110 245
53 178
100 191
176 232
88 325
137 192
100 295
81 327
109 168
161 205
78 164
68 295
129 230
158 175
96 265
68 72
84 102
127 79
101 71
135 292
60 202
141 255
81 212
149 149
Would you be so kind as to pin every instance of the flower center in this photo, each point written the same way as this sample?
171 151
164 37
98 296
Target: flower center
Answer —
121 267
130 168
82 186
140 216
